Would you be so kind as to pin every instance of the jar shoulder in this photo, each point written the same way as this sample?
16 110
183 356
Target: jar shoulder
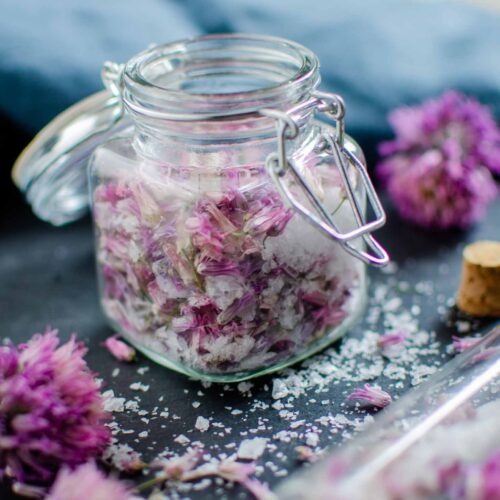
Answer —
118 150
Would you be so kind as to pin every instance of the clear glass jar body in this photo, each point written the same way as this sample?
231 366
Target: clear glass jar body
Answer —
201 264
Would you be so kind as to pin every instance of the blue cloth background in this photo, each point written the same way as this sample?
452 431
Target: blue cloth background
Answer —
377 54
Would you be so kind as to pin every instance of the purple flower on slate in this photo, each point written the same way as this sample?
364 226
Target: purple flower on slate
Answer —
51 411
438 169
87 482
371 395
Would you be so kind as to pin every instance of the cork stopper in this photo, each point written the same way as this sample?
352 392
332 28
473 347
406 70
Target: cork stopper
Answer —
479 292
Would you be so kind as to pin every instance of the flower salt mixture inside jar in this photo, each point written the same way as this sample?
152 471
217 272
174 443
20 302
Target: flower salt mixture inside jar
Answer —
229 223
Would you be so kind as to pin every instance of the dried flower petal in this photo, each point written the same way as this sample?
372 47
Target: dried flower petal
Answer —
240 473
51 412
486 354
176 468
391 339
234 471
204 278
87 483
371 395
461 344
120 350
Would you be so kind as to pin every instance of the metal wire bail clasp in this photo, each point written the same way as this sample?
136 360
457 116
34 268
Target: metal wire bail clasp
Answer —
278 165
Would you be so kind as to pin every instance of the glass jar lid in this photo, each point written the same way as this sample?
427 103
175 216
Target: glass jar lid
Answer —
51 171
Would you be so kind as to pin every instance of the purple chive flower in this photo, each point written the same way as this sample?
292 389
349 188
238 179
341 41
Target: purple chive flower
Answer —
51 411
87 482
391 339
120 350
371 395
461 344
438 169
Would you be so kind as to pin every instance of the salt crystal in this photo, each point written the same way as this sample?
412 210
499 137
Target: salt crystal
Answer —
202 424
244 386
181 439
463 326
392 304
251 449
111 403
120 455
132 405
196 404
312 439
203 484
280 389
137 386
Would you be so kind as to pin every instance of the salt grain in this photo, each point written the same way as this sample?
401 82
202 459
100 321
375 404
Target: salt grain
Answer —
202 424
112 403
138 386
181 439
251 449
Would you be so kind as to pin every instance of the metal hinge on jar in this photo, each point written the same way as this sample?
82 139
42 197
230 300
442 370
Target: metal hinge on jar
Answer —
278 165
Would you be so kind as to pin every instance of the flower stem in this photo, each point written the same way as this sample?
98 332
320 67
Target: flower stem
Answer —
146 485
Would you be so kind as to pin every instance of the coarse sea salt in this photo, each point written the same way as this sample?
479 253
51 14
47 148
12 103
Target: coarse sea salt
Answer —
304 405
138 386
112 403
251 449
202 424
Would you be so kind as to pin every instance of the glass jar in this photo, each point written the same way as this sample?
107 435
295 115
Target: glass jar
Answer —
230 229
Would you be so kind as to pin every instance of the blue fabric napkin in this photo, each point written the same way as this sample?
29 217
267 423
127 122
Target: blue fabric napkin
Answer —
378 55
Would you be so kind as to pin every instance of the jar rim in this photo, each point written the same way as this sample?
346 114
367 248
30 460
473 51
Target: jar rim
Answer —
170 81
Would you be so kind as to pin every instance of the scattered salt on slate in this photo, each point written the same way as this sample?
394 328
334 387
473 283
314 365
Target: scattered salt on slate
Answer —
293 398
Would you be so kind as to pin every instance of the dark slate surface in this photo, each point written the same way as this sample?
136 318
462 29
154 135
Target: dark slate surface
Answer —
47 278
